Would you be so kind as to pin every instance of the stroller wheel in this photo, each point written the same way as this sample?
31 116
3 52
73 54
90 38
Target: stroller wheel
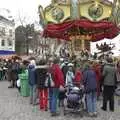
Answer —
82 105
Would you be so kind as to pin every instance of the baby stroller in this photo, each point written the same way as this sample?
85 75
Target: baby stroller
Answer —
73 102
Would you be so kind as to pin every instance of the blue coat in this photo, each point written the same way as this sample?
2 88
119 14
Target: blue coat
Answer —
89 80
31 75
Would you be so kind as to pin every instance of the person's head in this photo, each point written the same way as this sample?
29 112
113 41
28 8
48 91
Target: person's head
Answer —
70 65
56 60
95 63
17 60
32 62
42 62
12 60
50 61
86 66
6 60
78 66
9 60
70 68
61 60
109 60
23 65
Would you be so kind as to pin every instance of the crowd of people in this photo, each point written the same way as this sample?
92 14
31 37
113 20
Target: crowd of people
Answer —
50 80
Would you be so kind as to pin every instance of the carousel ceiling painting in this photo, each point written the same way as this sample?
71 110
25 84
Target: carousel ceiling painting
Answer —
92 20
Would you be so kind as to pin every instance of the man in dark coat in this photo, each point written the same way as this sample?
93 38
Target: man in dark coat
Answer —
14 72
109 83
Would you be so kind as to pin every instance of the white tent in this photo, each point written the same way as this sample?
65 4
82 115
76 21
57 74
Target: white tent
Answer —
115 41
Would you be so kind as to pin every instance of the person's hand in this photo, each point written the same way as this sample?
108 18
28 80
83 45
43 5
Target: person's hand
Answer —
82 86
61 88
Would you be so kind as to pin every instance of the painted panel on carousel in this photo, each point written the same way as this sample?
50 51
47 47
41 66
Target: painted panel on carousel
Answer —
95 11
57 13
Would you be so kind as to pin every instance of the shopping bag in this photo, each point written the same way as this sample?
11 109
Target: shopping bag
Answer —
18 83
49 81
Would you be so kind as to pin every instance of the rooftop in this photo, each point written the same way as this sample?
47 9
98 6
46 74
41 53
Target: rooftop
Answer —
7 20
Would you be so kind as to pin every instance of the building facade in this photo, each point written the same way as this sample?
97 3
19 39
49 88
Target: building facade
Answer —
7 36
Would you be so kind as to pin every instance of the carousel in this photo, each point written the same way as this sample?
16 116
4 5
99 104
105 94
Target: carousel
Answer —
79 22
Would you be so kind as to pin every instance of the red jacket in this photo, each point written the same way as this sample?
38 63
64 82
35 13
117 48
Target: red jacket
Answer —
78 76
57 75
98 72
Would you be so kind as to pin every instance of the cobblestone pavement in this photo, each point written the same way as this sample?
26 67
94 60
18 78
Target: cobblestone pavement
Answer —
15 107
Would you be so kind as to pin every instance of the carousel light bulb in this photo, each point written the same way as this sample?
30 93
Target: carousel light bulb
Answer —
117 3
96 4
109 11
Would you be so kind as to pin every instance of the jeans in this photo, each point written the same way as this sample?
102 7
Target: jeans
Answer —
33 94
91 102
53 99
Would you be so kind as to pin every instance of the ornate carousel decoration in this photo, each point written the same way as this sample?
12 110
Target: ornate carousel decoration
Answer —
81 21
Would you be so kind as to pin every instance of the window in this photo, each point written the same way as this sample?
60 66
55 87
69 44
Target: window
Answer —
9 42
3 43
3 31
10 32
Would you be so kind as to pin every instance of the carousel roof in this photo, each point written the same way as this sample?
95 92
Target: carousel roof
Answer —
90 19
82 29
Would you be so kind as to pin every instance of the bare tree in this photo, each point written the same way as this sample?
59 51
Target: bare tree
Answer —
27 31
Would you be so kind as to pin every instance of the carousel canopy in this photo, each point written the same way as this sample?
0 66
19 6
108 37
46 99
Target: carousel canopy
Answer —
85 29
85 19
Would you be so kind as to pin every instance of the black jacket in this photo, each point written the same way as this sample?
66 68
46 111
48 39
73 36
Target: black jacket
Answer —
40 75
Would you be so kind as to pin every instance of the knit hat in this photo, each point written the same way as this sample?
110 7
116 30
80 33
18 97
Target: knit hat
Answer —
78 65
70 65
110 60
86 66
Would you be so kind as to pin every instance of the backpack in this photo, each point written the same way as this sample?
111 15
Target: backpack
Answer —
49 81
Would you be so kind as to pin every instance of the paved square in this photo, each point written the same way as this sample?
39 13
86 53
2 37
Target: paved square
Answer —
15 107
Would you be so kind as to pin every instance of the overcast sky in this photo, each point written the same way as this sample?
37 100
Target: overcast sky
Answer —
28 8
24 8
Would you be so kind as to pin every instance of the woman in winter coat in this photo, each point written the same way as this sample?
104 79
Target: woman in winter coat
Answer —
58 79
90 85
40 75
